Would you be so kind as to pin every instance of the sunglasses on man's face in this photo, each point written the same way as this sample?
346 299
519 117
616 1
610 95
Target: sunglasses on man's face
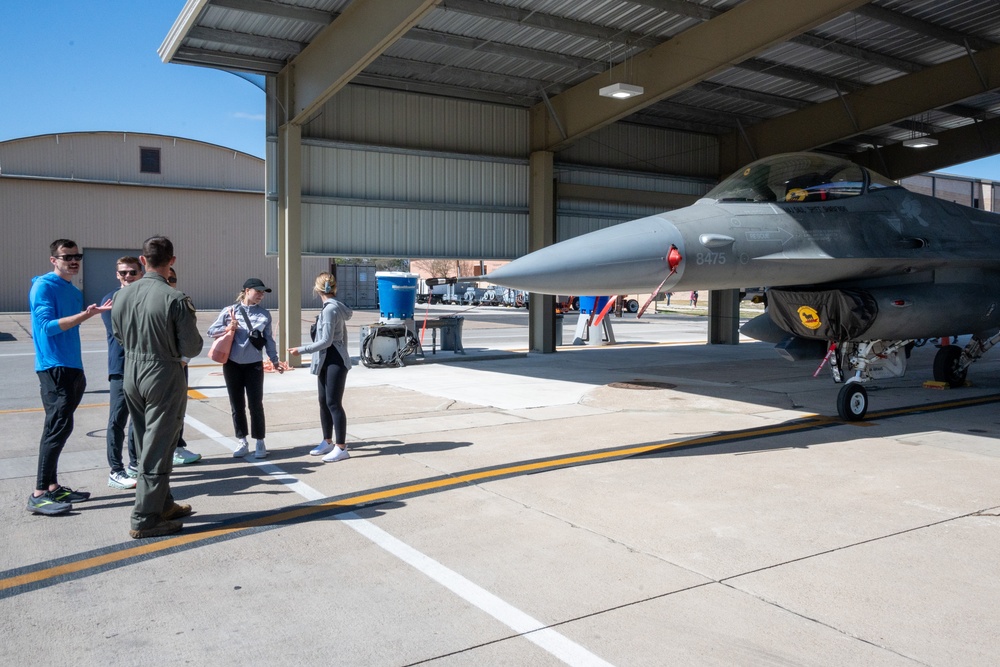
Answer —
70 258
172 280
129 272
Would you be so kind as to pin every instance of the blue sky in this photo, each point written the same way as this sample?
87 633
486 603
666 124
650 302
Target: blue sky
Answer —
91 65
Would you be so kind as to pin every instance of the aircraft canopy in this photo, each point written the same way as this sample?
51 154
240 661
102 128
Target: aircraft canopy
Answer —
798 177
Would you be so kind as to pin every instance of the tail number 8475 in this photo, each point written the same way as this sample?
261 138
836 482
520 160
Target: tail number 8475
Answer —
710 258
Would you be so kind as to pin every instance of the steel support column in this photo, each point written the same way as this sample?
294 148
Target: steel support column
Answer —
541 233
289 192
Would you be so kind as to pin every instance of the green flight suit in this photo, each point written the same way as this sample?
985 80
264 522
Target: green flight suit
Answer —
156 326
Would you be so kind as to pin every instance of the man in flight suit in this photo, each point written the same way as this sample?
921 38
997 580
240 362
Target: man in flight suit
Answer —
156 326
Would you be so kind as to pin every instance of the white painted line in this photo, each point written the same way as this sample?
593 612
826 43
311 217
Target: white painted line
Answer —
210 432
274 471
533 630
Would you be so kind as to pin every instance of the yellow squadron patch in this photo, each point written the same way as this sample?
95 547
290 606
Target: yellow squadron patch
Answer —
796 194
809 317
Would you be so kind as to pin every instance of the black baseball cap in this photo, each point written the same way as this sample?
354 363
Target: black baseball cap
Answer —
257 284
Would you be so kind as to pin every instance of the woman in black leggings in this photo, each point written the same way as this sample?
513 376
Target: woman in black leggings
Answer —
330 363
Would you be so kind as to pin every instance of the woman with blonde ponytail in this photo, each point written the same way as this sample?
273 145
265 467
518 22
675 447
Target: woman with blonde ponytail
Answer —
330 363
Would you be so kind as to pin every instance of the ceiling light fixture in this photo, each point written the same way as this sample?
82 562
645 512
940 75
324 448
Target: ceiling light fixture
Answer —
624 71
920 142
621 91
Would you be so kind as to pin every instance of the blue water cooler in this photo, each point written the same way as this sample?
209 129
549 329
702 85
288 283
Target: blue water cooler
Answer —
387 342
397 296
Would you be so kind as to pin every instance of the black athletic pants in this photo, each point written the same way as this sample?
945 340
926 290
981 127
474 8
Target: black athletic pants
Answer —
62 390
245 384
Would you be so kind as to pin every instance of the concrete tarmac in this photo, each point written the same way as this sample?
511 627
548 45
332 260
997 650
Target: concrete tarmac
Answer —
649 503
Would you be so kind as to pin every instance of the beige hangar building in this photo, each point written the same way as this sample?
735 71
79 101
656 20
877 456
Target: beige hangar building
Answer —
108 191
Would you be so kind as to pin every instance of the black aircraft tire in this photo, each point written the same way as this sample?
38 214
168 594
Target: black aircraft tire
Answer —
946 366
632 306
852 402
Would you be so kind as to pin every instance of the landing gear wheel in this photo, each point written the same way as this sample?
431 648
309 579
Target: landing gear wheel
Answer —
946 366
852 402
632 306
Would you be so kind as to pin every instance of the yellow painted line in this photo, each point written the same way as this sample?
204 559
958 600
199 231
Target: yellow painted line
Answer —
193 393
944 405
621 345
79 407
202 535
348 503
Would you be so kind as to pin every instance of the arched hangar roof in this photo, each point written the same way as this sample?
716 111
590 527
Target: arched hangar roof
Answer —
131 158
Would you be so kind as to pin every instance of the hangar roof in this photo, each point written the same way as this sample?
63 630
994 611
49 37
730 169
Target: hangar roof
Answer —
728 68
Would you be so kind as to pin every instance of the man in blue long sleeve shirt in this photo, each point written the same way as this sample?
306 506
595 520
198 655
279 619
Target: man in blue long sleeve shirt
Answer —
56 312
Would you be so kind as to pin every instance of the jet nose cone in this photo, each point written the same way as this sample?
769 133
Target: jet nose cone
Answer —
624 259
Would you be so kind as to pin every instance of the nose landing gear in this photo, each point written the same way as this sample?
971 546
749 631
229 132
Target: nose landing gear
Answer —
852 402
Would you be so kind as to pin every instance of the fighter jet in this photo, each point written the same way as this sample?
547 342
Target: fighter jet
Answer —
855 266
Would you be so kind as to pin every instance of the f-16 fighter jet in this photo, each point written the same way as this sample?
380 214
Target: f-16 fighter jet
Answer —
856 266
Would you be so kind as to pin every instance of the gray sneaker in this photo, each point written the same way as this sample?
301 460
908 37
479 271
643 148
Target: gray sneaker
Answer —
47 504
119 479
260 452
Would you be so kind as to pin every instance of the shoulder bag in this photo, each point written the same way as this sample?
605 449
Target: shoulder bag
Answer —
256 337
221 346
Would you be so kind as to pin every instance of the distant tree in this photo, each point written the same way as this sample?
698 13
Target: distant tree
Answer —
437 268
465 268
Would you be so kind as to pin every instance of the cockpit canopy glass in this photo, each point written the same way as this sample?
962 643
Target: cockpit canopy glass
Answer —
798 177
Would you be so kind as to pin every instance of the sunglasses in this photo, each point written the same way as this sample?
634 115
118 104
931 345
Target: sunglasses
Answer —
70 258
172 281
130 272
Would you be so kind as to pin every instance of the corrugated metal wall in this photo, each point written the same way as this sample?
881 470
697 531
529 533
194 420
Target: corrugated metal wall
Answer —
646 149
367 231
578 216
393 174
357 285
405 203
377 116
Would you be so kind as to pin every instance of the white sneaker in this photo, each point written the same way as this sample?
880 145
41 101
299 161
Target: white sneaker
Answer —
322 448
337 454
261 450
121 480
182 456
242 450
